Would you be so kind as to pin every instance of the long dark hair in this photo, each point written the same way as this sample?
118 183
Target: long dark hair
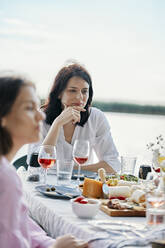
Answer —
9 89
53 106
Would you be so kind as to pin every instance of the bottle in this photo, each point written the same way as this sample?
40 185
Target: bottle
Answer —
34 168
143 171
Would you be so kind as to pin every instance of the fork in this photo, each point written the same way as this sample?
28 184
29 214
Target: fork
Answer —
64 194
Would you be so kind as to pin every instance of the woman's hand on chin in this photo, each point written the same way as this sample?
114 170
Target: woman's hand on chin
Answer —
70 114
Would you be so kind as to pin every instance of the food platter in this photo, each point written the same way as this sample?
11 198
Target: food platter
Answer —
123 212
133 211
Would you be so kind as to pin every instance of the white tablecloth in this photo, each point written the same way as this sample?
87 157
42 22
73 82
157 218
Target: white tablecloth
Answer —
57 218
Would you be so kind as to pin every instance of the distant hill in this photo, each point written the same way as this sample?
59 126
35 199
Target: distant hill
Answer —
129 108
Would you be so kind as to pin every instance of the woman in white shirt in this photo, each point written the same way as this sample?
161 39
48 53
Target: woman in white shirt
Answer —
69 116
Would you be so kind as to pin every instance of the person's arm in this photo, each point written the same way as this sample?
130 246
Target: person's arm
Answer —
38 236
104 146
96 166
50 133
69 114
41 240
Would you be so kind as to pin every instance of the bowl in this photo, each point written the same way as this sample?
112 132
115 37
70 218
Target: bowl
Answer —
88 210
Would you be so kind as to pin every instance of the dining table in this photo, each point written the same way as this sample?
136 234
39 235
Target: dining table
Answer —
55 216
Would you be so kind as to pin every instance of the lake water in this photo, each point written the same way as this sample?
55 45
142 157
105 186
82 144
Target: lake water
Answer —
131 133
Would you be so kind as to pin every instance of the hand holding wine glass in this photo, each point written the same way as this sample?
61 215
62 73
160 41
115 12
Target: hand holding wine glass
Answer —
80 154
46 158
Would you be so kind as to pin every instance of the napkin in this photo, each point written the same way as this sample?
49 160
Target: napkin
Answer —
144 238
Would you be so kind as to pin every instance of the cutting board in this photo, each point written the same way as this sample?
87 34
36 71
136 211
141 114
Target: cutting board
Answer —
123 213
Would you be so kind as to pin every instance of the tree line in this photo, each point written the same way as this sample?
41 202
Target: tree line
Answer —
129 108
126 107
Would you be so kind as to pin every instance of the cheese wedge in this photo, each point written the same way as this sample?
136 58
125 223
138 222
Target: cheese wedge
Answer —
92 188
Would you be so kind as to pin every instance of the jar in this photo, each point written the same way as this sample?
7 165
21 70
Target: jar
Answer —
34 168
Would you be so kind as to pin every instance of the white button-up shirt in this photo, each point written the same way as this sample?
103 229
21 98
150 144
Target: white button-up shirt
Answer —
96 130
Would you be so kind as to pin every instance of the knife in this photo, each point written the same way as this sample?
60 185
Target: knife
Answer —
105 188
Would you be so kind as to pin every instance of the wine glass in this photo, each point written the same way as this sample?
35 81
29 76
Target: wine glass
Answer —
80 154
46 158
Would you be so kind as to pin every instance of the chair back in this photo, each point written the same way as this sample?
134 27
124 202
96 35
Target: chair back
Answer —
21 162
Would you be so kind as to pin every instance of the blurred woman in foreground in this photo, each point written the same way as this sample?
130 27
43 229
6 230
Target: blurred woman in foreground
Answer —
20 122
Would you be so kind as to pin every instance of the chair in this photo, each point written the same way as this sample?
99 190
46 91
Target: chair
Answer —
21 162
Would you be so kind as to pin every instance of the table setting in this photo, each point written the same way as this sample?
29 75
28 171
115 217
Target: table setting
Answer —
109 210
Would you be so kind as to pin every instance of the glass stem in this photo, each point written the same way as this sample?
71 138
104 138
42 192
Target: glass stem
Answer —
78 175
45 176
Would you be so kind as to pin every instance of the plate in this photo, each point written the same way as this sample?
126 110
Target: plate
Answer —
108 225
83 174
59 191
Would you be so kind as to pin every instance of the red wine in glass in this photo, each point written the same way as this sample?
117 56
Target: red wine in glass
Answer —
81 160
80 154
46 163
46 158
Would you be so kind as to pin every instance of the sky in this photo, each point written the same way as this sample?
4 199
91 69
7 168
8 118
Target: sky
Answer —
120 42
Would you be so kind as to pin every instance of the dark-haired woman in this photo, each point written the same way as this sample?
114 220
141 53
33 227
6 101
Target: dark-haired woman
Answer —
69 116
20 122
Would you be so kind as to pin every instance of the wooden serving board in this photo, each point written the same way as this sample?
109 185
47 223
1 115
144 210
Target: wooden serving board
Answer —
123 213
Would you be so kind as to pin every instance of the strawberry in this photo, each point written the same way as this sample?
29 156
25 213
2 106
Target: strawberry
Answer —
79 198
112 197
121 197
83 201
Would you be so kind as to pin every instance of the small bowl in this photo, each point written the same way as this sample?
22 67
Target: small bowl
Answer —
88 210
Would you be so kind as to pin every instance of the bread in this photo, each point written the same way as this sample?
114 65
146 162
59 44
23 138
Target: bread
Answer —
117 191
138 196
135 187
92 188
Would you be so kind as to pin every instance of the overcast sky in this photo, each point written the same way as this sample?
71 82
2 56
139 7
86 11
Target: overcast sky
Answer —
121 43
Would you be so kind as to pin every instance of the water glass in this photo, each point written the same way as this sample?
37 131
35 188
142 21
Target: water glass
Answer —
64 171
155 213
128 165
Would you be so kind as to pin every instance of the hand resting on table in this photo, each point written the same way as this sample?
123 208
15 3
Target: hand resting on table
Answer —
70 242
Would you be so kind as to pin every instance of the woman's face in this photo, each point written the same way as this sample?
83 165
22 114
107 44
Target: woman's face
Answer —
24 120
76 92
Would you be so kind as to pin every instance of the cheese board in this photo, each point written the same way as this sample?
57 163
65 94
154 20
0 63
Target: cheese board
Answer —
123 212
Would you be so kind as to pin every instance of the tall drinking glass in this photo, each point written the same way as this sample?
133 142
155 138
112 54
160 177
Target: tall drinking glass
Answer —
46 158
80 154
